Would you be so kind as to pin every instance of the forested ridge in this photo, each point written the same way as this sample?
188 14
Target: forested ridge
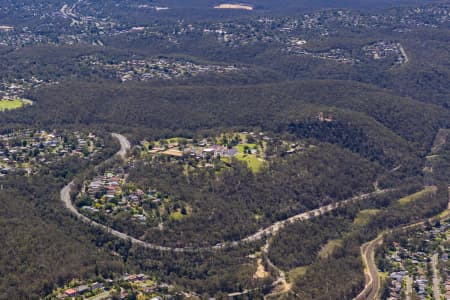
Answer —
358 101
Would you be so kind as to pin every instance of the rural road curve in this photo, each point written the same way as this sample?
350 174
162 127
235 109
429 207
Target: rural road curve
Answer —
274 228
125 146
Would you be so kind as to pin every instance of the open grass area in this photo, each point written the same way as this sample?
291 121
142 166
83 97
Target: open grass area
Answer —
329 247
297 273
253 162
177 216
426 191
363 216
13 104
241 147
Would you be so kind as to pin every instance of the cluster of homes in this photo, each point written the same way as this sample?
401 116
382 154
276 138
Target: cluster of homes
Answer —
111 193
208 152
410 267
27 150
205 150
337 54
383 49
158 68
87 27
19 39
10 90
323 23
377 51
139 286
201 150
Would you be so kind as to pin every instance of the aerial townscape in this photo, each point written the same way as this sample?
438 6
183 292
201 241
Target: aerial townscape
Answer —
160 68
27 150
139 286
416 263
200 150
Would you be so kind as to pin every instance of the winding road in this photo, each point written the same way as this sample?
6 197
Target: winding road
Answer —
372 287
373 284
125 146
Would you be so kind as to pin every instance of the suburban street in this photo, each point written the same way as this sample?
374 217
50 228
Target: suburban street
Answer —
372 286
65 198
409 287
124 145
436 287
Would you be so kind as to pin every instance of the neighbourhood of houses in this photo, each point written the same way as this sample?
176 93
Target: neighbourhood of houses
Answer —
111 195
84 25
156 68
411 270
127 286
384 49
376 51
27 150
14 89
337 54
216 152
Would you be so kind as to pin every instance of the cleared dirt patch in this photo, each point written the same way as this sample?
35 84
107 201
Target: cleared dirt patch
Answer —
260 270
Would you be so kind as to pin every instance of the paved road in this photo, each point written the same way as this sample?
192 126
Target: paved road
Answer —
65 198
404 54
409 287
125 145
436 281
370 291
271 230
373 284
276 227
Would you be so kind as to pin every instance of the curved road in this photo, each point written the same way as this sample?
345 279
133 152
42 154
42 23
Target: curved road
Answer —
260 234
276 227
65 198
125 145
373 284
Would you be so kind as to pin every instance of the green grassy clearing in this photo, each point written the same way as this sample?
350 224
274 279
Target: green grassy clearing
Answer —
364 216
13 104
328 249
426 191
253 162
297 273
176 216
